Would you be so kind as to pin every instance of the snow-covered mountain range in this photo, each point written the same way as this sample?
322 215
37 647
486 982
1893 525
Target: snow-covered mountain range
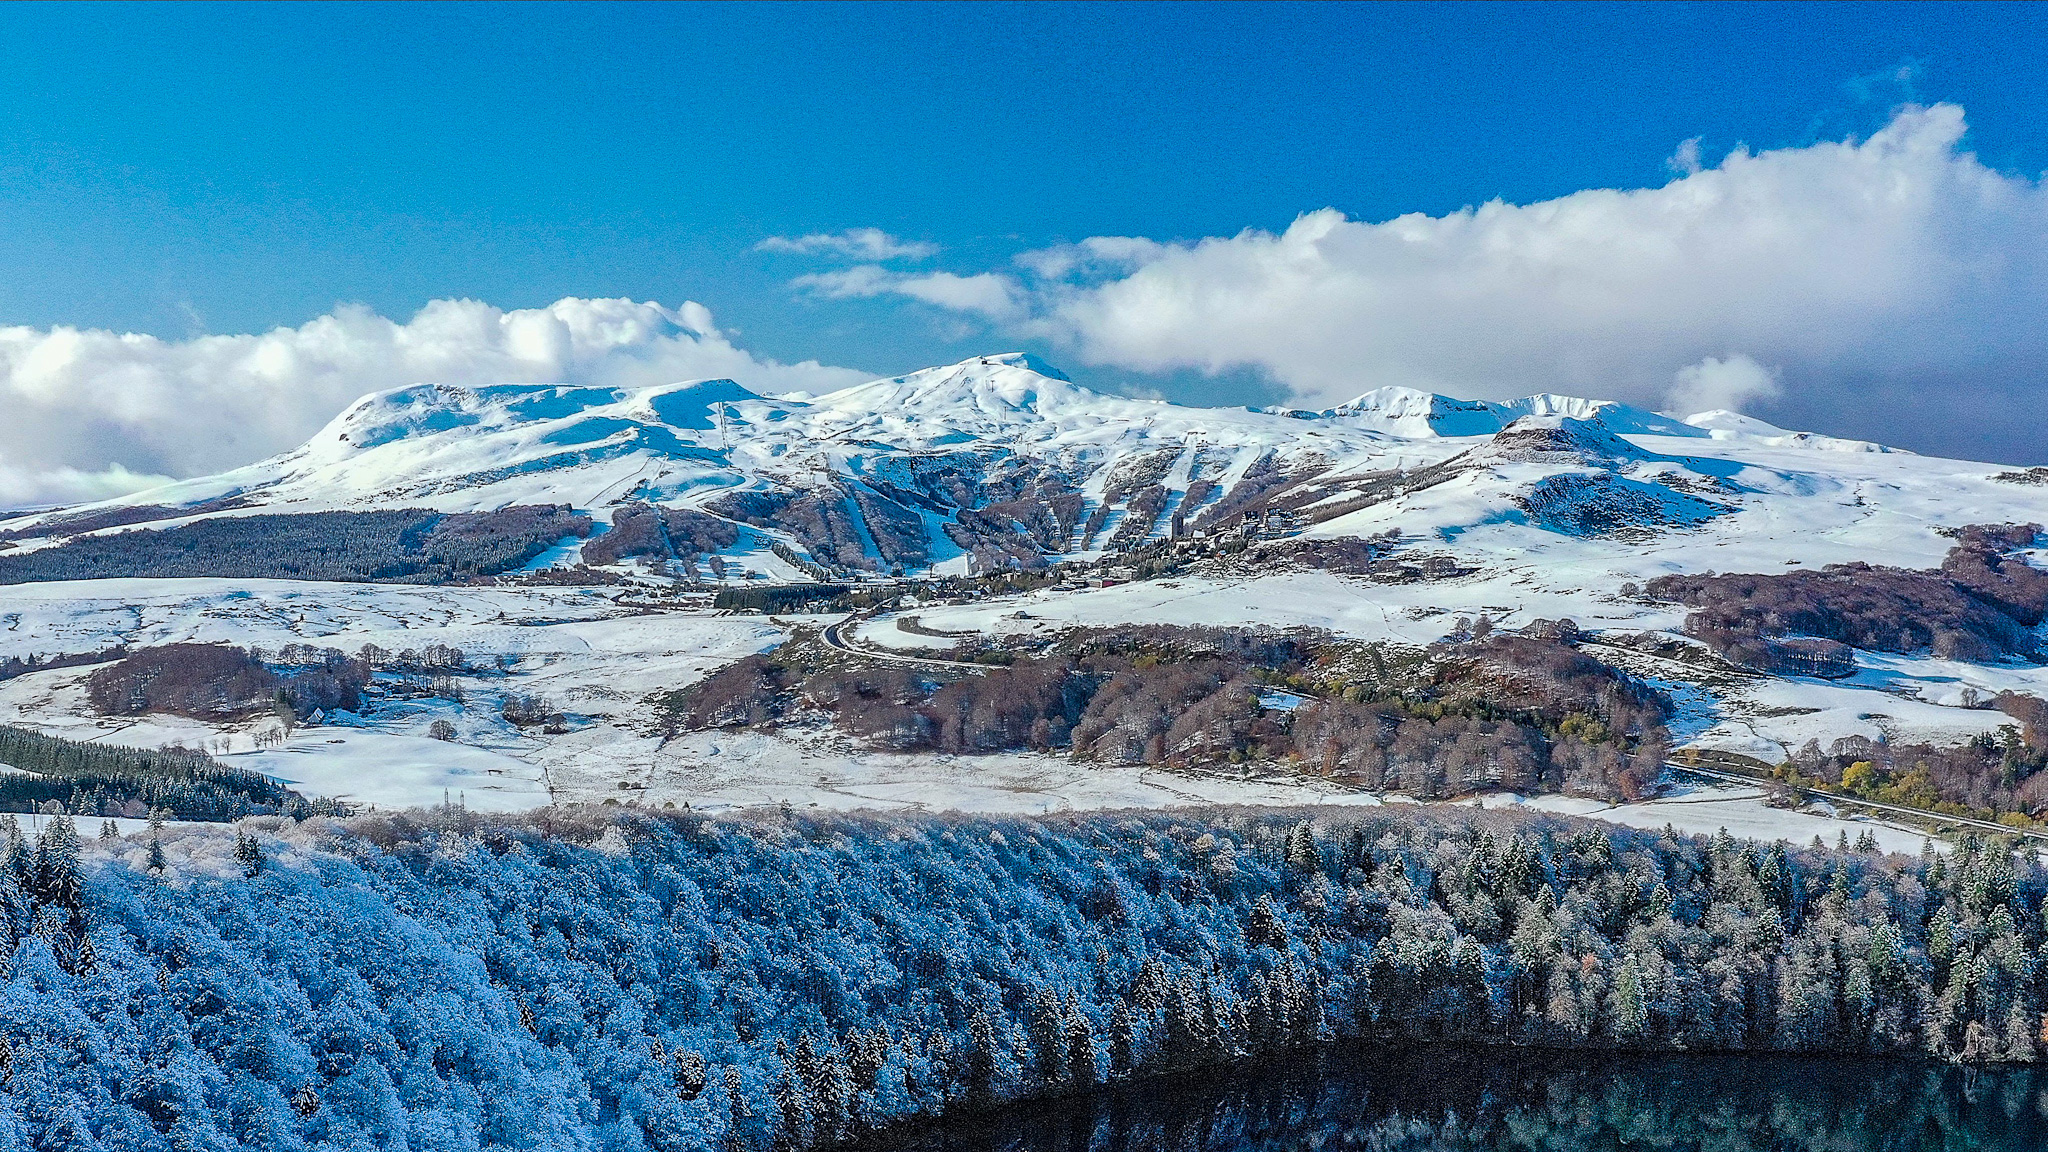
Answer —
1001 461
1521 511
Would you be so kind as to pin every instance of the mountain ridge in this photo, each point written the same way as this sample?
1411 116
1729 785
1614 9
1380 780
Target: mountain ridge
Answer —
997 461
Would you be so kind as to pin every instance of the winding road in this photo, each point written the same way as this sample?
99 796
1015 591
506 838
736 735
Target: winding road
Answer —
1854 802
835 638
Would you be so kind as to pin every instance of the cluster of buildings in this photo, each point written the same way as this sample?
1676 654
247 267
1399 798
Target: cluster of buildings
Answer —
1255 524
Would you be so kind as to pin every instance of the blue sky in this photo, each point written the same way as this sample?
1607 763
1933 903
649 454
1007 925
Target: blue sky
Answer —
182 170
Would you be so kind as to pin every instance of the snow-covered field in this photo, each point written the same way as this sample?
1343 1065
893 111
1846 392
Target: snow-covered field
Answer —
599 661
397 771
1415 614
744 769
1704 810
594 659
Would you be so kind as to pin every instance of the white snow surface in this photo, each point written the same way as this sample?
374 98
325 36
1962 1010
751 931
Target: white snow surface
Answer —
600 661
1775 500
1704 811
1789 496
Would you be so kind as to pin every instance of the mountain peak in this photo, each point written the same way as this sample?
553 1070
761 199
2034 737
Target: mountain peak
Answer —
421 410
1413 413
1722 424
1557 437
1028 362
978 393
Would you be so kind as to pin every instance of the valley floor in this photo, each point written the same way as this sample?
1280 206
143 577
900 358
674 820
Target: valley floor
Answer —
599 661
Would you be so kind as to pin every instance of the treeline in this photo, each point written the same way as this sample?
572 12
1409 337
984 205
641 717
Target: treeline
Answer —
827 597
1604 504
1012 518
1982 604
896 528
1350 555
222 682
779 597
1022 528
15 666
1523 713
794 559
578 980
1991 776
110 780
1130 487
439 659
823 521
1370 556
75 523
1307 491
413 545
661 534
829 522
1517 712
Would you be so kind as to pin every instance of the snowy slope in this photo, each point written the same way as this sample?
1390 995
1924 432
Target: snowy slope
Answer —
1001 461
1409 413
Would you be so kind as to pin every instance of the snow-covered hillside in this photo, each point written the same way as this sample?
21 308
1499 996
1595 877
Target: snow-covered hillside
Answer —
1002 462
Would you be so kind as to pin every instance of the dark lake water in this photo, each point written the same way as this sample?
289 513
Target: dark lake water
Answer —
1534 1102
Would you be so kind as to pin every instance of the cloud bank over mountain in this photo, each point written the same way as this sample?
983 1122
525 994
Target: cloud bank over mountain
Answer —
1893 287
94 413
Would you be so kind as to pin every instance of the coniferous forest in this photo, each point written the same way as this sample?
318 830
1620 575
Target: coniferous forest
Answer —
111 780
409 545
600 979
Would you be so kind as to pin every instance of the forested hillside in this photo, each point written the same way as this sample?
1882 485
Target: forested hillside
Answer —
110 780
1982 604
1524 713
414 545
223 682
590 979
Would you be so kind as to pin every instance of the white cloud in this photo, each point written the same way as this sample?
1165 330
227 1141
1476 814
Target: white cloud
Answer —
1792 256
990 294
986 293
1860 270
1731 385
858 282
92 413
20 488
853 244
1686 161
